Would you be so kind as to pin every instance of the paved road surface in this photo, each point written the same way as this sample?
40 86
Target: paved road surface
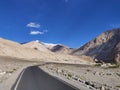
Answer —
33 78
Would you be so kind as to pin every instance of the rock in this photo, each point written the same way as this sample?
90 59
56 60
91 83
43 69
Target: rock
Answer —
59 70
87 82
104 65
109 74
96 73
97 85
102 88
75 78
2 73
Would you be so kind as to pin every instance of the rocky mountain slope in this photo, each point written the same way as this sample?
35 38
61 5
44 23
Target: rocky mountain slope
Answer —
105 47
61 49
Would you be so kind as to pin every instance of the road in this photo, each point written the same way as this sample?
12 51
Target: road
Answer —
33 78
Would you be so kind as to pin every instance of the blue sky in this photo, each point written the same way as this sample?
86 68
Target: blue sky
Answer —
70 22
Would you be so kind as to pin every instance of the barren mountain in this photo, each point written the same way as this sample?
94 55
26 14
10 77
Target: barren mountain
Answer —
36 45
61 49
105 47
49 45
58 48
12 49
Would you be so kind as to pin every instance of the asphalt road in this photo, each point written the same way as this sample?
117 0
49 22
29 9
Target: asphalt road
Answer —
33 78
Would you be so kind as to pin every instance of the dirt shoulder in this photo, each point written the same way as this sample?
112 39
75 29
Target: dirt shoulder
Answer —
85 76
10 68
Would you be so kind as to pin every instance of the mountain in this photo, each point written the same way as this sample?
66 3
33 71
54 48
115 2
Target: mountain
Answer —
104 48
40 53
61 49
49 45
37 45
14 49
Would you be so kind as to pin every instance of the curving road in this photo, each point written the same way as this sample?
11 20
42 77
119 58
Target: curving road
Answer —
33 78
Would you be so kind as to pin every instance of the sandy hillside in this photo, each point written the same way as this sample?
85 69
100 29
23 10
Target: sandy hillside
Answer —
36 45
13 49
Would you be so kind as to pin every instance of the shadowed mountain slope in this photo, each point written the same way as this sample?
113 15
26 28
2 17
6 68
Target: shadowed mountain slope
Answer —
61 49
105 47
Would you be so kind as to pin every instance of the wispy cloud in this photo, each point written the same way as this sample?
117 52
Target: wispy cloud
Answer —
35 29
33 25
36 33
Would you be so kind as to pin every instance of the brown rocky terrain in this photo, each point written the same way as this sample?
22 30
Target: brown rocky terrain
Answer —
61 49
104 48
117 53
86 77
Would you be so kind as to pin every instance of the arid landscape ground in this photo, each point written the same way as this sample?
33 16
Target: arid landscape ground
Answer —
84 77
78 67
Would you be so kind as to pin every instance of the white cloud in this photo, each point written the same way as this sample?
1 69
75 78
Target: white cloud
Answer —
33 25
36 33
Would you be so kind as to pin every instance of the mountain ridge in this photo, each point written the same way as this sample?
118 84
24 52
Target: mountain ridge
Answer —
103 47
15 50
56 48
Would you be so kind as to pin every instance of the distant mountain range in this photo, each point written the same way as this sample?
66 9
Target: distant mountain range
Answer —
49 47
36 51
104 48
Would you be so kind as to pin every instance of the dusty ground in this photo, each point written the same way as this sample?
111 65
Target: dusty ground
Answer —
10 68
82 76
86 77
